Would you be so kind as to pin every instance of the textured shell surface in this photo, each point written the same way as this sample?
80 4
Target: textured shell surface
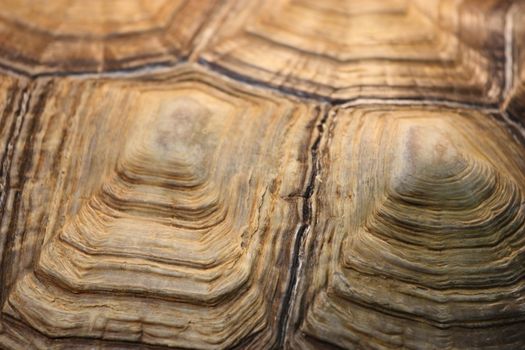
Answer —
251 174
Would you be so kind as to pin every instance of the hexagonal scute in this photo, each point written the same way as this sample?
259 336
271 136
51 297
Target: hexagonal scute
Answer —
418 237
439 49
40 37
168 214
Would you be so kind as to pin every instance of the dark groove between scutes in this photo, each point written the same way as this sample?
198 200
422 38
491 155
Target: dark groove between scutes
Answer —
301 232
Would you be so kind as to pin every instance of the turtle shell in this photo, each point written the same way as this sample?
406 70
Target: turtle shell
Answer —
249 174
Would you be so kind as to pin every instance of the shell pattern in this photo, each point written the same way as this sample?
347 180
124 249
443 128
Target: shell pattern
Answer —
281 174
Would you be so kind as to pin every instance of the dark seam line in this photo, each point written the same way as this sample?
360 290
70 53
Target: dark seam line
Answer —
301 233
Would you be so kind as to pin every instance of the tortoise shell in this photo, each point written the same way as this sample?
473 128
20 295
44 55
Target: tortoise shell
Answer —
281 174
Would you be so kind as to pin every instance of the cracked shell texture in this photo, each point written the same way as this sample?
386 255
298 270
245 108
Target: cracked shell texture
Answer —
418 237
173 214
